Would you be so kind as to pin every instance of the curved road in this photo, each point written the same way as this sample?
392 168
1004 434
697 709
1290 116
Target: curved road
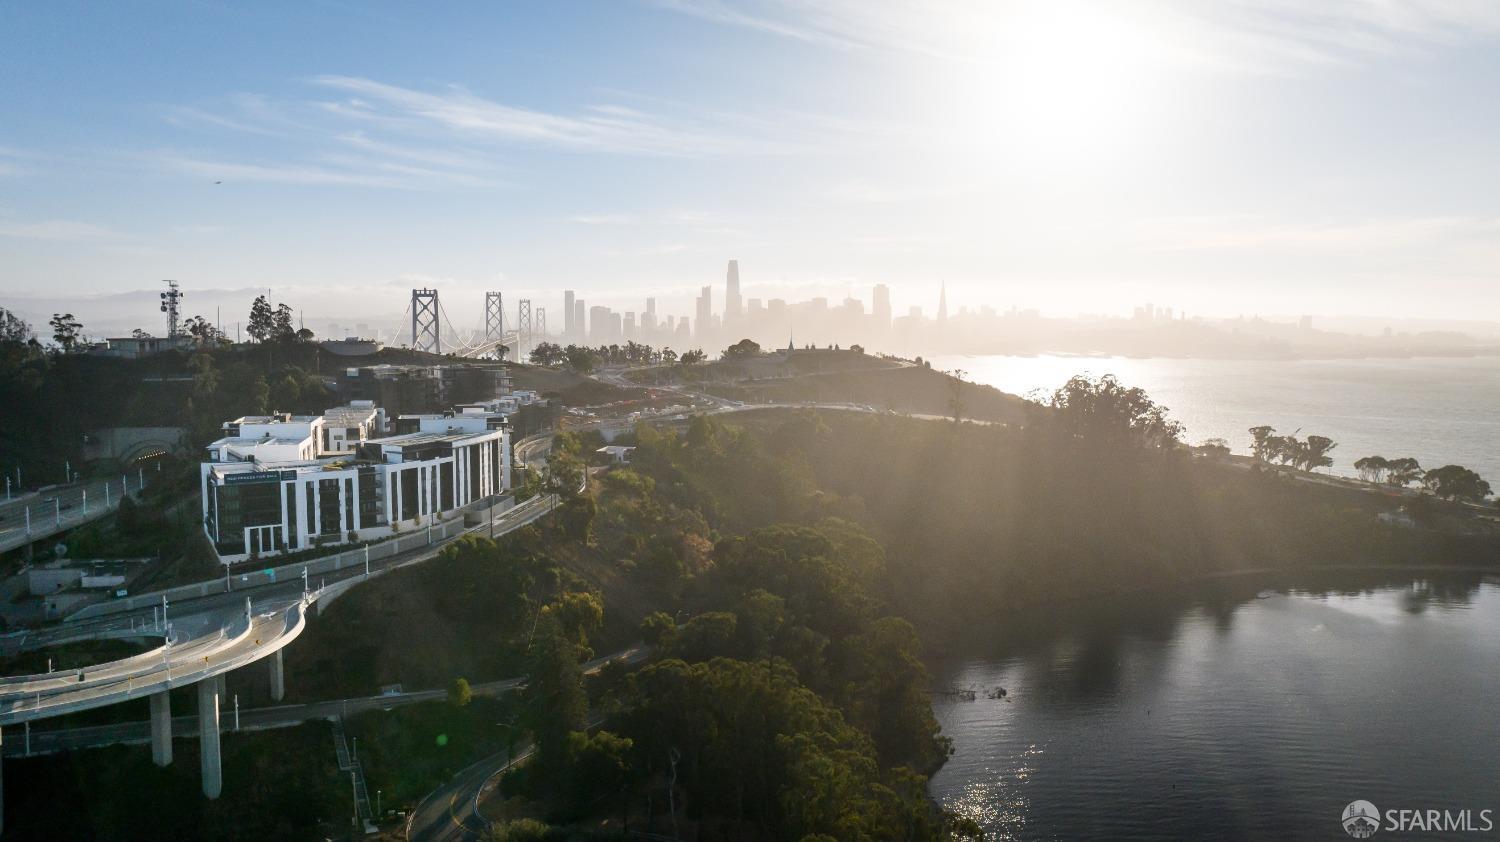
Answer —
210 635
451 812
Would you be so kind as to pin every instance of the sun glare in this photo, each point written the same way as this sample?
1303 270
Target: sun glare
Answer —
1059 84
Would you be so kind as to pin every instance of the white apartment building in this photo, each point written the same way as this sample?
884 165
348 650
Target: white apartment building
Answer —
285 483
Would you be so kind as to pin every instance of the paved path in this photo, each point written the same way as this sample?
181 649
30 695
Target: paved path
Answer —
59 509
211 635
451 812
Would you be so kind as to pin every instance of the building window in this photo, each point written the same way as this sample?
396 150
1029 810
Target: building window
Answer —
445 485
328 506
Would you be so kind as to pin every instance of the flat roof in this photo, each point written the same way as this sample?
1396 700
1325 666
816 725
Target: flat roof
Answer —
426 438
274 419
250 440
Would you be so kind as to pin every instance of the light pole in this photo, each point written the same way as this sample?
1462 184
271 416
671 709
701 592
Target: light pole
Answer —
377 792
57 511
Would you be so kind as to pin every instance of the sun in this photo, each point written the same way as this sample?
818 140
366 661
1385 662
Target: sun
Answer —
1059 83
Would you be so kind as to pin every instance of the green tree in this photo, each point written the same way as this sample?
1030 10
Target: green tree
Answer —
692 357
555 703
1455 482
13 329
1262 442
1372 468
548 353
599 768
578 615
204 333
259 396
576 517
1214 448
262 323
287 394
580 359
956 405
658 628
67 331
742 349
1106 414
706 636
1315 452
519 830
1402 472
460 693
282 328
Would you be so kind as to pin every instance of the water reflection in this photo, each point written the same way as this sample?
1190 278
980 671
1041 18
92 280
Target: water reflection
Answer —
1162 713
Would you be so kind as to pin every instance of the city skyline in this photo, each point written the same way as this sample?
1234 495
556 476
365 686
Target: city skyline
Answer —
1058 156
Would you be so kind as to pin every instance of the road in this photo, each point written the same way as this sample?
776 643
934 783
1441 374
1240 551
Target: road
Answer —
59 509
48 741
451 812
210 635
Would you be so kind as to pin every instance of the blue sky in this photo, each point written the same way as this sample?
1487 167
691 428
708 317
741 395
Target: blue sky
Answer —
1259 156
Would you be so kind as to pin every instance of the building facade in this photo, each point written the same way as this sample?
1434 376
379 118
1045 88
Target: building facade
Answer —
345 479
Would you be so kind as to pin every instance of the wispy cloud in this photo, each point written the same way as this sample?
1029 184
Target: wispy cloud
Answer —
58 230
597 128
377 134
1254 233
1254 35
305 174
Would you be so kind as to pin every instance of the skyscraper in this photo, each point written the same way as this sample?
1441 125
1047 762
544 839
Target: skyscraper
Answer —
881 308
568 314
942 315
578 326
732 293
599 317
705 311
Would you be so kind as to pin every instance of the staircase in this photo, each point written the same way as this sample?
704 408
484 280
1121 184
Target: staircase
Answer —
350 764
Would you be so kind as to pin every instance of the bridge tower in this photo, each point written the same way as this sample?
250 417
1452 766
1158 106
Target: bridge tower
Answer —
541 324
494 318
425 335
169 301
523 328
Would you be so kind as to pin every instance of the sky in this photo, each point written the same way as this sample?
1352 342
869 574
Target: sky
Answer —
1246 156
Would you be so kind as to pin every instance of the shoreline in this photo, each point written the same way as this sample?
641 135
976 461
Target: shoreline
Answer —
934 659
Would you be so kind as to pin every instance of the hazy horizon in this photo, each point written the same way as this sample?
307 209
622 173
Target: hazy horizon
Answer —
1253 158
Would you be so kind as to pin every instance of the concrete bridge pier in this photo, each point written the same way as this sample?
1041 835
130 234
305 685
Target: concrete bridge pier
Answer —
278 677
161 728
210 691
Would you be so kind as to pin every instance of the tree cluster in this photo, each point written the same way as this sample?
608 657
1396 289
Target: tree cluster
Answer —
274 325
1303 454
